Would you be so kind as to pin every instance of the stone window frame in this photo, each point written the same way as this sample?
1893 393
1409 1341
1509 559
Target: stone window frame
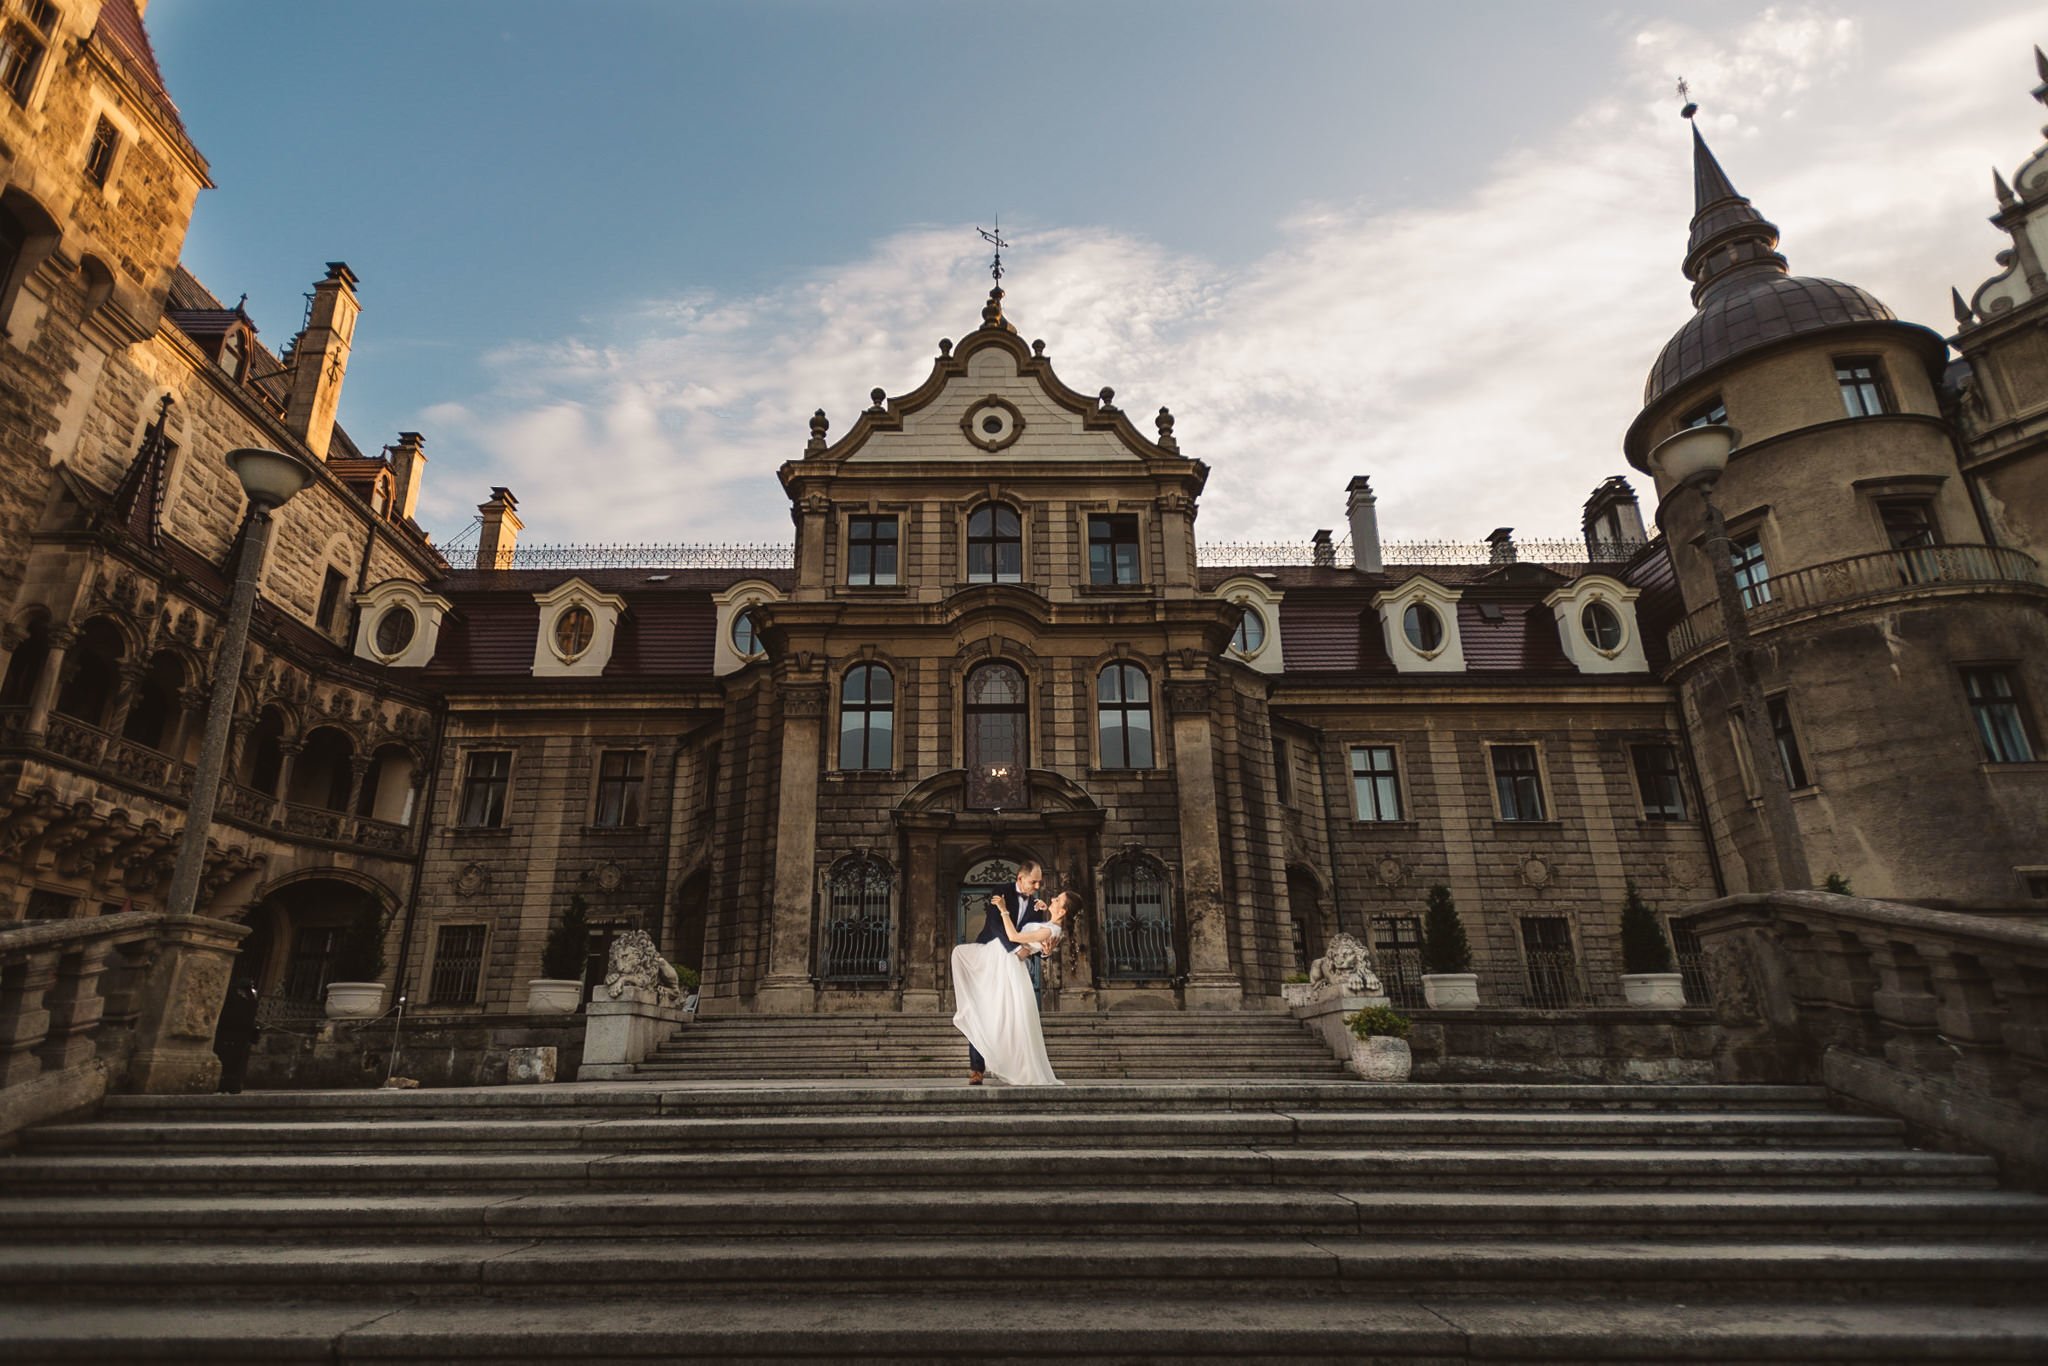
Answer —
964 514
902 513
1546 789
429 610
102 150
432 967
1686 815
1392 606
1151 672
2022 704
606 610
1402 792
1034 687
1568 606
26 89
1865 371
1083 514
894 671
744 596
594 800
463 754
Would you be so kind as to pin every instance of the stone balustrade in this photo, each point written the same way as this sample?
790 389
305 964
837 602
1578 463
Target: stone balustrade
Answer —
1937 1016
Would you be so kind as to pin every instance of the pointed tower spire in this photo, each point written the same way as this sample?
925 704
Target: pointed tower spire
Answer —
139 501
2001 189
1730 239
1961 306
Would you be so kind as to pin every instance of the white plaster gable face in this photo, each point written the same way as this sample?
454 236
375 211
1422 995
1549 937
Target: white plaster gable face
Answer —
993 411
578 625
734 634
1596 624
1420 623
1258 643
399 625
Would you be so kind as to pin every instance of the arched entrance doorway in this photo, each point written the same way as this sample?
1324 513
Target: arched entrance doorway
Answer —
988 877
295 940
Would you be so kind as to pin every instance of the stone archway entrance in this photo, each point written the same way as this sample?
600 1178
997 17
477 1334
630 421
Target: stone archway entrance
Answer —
989 877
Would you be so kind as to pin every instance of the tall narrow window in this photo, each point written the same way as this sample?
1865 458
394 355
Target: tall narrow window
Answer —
99 155
1660 782
2001 722
483 789
1375 783
855 938
1518 782
867 718
871 550
1553 968
330 598
1283 771
995 545
458 966
998 736
1909 523
1123 710
1752 575
1788 742
310 967
621 774
1113 549
1863 388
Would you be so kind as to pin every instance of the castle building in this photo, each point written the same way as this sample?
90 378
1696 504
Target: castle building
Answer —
993 636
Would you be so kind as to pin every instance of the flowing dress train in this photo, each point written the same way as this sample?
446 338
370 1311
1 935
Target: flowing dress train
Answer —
998 1013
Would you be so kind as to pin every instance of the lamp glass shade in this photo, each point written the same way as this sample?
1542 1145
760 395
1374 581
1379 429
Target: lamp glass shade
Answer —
1693 453
269 477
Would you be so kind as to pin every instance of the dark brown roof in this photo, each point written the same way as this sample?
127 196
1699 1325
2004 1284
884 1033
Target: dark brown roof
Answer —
625 581
669 628
1770 309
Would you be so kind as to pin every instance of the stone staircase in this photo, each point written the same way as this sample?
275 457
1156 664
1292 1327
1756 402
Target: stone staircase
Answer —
1149 1046
1295 1221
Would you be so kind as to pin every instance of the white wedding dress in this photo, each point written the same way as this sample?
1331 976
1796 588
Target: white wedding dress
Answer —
998 1013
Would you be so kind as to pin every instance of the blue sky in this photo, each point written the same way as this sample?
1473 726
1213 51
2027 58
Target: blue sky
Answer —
613 254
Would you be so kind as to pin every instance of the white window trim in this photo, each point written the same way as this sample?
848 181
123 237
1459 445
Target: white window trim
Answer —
605 610
1393 605
1568 605
428 610
747 593
1250 591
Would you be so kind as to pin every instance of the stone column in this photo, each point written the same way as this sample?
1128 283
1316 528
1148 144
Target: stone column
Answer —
288 759
924 947
788 984
180 1003
1211 985
62 638
238 742
191 704
11 637
358 769
128 676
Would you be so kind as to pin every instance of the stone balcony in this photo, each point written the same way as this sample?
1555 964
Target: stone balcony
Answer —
1861 580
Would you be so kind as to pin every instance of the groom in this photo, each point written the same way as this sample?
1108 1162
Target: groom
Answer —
1025 909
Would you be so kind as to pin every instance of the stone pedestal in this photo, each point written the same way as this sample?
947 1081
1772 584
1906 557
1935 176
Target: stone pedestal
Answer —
1326 1017
179 1004
618 1035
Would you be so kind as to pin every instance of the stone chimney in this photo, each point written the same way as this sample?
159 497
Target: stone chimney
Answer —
1613 519
1324 554
501 530
320 359
1502 539
1363 511
408 463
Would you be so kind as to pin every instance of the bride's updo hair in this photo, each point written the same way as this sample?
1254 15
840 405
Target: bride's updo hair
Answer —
1076 903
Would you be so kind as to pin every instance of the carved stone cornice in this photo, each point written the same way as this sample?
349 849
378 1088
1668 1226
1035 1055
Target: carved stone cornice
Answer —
1187 696
802 700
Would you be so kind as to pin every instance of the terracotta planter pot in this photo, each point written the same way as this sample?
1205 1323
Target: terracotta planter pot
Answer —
1451 990
553 995
1381 1059
355 1000
1654 990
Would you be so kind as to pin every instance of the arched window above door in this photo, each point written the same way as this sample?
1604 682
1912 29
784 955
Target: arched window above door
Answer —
998 734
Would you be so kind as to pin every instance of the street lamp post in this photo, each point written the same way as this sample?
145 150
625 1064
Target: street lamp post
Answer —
270 478
1694 459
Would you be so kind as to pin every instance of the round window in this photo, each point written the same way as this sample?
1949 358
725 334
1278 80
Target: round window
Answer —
1602 625
992 425
746 634
573 630
394 630
1424 628
1251 632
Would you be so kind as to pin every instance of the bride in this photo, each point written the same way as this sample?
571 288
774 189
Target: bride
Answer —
997 1010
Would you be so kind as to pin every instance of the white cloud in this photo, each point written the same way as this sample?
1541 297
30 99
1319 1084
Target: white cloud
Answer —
1480 356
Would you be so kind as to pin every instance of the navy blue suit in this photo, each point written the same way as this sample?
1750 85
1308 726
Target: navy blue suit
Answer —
1024 913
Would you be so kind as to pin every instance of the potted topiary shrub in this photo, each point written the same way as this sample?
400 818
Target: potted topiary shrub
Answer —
1448 982
354 993
1379 1048
1294 988
559 988
1647 978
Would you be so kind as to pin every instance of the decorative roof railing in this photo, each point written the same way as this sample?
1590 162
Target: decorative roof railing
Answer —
1887 573
650 556
1279 554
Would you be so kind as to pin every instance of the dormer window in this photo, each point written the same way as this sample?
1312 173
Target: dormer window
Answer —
399 624
395 629
1596 625
578 625
1602 626
234 353
1423 627
746 634
1419 621
1864 392
741 613
573 630
1250 636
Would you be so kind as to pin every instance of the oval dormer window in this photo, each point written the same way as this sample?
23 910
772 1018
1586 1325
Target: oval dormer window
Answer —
1250 636
1423 627
1602 625
573 631
746 634
395 630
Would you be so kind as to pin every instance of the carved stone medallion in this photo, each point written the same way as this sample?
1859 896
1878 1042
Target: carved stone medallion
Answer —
609 876
1391 871
473 878
1536 871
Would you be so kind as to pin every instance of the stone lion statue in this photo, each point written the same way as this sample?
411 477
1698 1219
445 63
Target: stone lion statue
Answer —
1345 969
636 963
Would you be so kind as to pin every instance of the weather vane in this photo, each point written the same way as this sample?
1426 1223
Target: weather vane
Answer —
1685 98
995 239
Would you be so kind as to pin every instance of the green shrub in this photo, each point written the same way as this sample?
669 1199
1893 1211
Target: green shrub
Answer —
1643 945
359 956
688 977
1837 884
1444 947
1295 978
1377 1022
568 945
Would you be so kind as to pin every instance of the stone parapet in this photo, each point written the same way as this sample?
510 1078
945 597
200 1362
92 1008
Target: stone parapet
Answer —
477 1050
1511 1045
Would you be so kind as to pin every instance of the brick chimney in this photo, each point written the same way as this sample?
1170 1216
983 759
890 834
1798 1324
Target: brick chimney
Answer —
320 359
501 530
1613 519
408 463
1363 510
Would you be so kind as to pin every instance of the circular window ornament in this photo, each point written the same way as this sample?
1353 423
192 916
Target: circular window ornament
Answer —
1602 625
1423 627
992 423
1250 636
573 631
395 631
746 634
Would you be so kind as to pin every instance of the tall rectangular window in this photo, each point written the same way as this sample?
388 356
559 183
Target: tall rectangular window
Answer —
1909 523
1660 782
458 966
1787 742
871 550
621 773
1864 393
1552 966
309 968
99 156
21 57
483 789
1518 782
330 598
2001 721
1397 948
1113 548
1375 783
1283 772
1752 575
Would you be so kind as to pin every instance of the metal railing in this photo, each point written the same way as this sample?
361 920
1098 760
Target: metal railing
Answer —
1552 550
649 556
1883 574
1553 979
1138 947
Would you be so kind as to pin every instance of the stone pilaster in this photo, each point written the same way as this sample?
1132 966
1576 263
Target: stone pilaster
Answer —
787 986
180 1006
1211 985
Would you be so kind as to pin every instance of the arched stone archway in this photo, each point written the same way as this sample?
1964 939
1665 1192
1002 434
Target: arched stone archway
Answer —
296 926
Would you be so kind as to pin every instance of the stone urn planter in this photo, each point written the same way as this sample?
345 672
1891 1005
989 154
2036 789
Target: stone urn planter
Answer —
553 995
355 1000
1451 990
1381 1059
1654 990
